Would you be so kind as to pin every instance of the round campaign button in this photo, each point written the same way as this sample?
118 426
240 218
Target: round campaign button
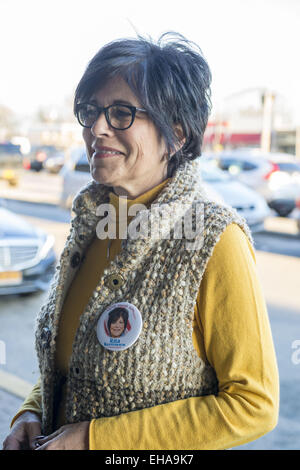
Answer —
119 326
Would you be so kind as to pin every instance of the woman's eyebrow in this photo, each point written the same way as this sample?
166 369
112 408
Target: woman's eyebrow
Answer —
121 101
115 101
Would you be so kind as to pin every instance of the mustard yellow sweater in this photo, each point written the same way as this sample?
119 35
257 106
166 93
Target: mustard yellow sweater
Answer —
231 331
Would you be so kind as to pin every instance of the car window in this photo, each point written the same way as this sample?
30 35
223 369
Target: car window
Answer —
289 166
215 175
82 164
10 149
226 163
240 165
247 166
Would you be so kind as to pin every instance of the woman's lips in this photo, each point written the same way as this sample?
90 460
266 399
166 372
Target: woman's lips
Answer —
105 153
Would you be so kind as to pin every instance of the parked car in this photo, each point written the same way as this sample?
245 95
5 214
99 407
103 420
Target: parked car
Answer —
276 176
54 164
245 200
39 155
27 257
296 214
11 162
75 173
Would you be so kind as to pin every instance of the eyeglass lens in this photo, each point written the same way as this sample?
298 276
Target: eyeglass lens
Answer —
118 116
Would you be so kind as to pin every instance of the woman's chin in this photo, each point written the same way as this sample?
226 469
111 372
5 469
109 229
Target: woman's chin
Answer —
101 177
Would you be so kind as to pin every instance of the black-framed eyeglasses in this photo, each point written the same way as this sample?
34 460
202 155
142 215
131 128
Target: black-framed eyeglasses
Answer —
118 116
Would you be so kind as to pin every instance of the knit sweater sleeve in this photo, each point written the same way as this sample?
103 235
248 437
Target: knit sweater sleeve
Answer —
232 333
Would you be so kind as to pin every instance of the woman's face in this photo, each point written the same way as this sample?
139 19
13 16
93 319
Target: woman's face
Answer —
117 328
141 162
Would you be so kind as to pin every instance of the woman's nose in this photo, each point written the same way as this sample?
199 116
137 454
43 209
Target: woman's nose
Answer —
101 126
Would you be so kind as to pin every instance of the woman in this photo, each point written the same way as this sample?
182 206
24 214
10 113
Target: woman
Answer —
202 372
117 322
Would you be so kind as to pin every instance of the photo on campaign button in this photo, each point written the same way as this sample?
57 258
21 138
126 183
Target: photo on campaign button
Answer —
119 326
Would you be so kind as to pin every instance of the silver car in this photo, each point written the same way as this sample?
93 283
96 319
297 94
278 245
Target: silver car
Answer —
276 176
27 257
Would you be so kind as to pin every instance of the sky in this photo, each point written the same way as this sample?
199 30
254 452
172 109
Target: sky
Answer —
46 44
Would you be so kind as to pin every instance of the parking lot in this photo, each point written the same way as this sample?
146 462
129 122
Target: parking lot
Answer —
278 263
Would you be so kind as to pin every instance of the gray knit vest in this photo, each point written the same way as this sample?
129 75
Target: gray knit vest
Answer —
158 275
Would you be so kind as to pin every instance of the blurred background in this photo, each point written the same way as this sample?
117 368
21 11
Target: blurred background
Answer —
251 156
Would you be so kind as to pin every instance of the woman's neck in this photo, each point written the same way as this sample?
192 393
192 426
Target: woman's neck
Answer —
134 191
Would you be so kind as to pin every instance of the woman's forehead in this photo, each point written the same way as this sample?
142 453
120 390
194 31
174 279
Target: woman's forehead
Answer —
120 317
114 90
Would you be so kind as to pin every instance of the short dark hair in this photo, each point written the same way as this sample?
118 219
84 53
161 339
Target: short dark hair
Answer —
171 80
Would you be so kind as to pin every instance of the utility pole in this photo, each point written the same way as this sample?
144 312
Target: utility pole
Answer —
267 121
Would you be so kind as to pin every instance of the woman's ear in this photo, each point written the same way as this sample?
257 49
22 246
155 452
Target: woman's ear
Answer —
181 139
180 136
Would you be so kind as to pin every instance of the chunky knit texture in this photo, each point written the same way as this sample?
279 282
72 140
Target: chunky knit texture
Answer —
161 277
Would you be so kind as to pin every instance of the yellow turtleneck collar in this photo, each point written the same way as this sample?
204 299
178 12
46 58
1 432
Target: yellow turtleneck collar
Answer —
145 198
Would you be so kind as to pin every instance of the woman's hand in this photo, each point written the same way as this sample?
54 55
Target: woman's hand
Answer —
68 437
23 432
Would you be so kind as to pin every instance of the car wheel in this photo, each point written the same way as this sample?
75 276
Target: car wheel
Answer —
282 207
283 212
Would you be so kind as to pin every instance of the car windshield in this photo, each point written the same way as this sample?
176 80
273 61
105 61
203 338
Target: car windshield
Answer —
10 149
211 174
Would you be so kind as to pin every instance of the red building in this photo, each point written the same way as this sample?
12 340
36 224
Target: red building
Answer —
217 134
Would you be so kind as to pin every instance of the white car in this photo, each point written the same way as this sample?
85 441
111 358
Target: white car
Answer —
76 174
276 176
248 203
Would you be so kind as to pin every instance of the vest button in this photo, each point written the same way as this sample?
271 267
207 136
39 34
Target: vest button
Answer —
46 336
114 281
75 260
